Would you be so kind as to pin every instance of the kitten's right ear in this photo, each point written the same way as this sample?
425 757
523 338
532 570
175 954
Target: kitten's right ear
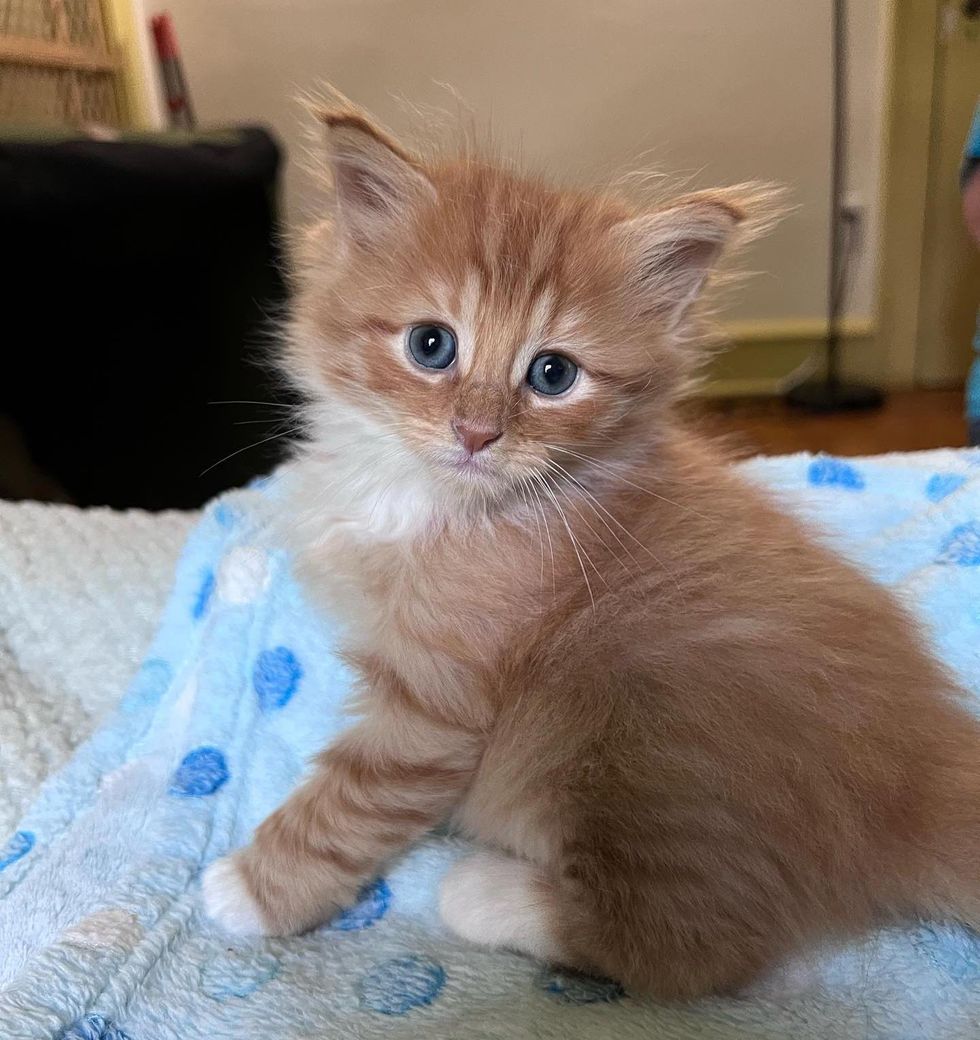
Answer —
376 182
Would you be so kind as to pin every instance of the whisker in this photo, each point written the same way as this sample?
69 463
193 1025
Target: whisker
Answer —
253 422
571 536
547 530
523 485
598 504
266 404
611 472
656 559
231 455
595 534
594 504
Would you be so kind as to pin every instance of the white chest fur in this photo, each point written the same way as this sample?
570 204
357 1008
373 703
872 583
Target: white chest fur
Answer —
364 546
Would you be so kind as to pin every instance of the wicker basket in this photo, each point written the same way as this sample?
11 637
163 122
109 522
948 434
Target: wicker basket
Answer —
56 65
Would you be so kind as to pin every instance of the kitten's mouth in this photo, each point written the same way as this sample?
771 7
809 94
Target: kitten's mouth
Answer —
471 467
470 464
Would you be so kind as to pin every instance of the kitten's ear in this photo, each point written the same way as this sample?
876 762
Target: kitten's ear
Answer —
376 182
673 250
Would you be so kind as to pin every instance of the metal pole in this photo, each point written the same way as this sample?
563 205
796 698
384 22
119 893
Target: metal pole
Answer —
838 45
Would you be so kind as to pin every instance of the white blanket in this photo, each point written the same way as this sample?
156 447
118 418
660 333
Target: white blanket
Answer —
80 596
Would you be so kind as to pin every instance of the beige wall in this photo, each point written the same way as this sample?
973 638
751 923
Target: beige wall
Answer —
716 90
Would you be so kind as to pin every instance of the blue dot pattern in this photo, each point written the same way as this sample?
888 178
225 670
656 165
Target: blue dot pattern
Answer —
571 988
237 973
955 951
225 515
201 772
94 1027
835 473
204 593
373 972
20 843
397 986
962 545
372 904
942 484
151 683
276 676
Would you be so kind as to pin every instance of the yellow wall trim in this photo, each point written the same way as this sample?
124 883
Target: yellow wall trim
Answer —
765 358
776 330
905 179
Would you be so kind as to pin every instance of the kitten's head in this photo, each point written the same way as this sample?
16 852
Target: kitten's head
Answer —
469 329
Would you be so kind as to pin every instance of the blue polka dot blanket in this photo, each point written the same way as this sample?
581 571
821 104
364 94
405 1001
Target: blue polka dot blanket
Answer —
102 936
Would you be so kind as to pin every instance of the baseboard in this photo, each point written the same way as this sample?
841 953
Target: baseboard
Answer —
765 358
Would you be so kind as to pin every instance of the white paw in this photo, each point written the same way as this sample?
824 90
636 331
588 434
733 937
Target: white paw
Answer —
498 901
466 898
228 902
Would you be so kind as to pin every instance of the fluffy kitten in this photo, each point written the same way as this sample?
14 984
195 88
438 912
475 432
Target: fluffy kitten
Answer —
689 739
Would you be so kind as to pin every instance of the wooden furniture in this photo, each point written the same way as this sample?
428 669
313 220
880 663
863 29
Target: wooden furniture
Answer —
57 65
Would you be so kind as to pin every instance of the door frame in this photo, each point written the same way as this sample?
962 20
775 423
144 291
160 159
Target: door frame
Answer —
913 89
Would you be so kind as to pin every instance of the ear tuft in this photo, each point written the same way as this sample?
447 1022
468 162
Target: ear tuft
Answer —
376 181
673 250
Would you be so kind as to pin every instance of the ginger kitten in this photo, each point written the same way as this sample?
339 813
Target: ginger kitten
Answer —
689 740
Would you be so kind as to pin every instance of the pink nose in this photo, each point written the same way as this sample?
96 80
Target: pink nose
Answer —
474 438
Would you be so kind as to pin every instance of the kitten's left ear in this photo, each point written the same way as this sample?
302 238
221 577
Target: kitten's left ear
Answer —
376 182
673 250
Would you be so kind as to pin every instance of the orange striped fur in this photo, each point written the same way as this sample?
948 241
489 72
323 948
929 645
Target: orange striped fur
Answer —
691 741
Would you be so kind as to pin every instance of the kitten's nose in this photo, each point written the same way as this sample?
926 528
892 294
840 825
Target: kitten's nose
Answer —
474 438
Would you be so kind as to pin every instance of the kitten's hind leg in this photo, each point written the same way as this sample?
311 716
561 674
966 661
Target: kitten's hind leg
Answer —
497 900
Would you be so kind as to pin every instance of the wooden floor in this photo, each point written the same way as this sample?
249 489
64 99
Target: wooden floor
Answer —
906 422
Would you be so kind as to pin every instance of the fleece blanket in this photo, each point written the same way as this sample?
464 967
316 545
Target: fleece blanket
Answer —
101 931
81 591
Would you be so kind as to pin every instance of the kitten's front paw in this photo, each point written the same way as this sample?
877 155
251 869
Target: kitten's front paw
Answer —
227 900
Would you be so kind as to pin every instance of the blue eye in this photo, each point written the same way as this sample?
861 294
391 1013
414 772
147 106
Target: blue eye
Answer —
432 346
551 374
